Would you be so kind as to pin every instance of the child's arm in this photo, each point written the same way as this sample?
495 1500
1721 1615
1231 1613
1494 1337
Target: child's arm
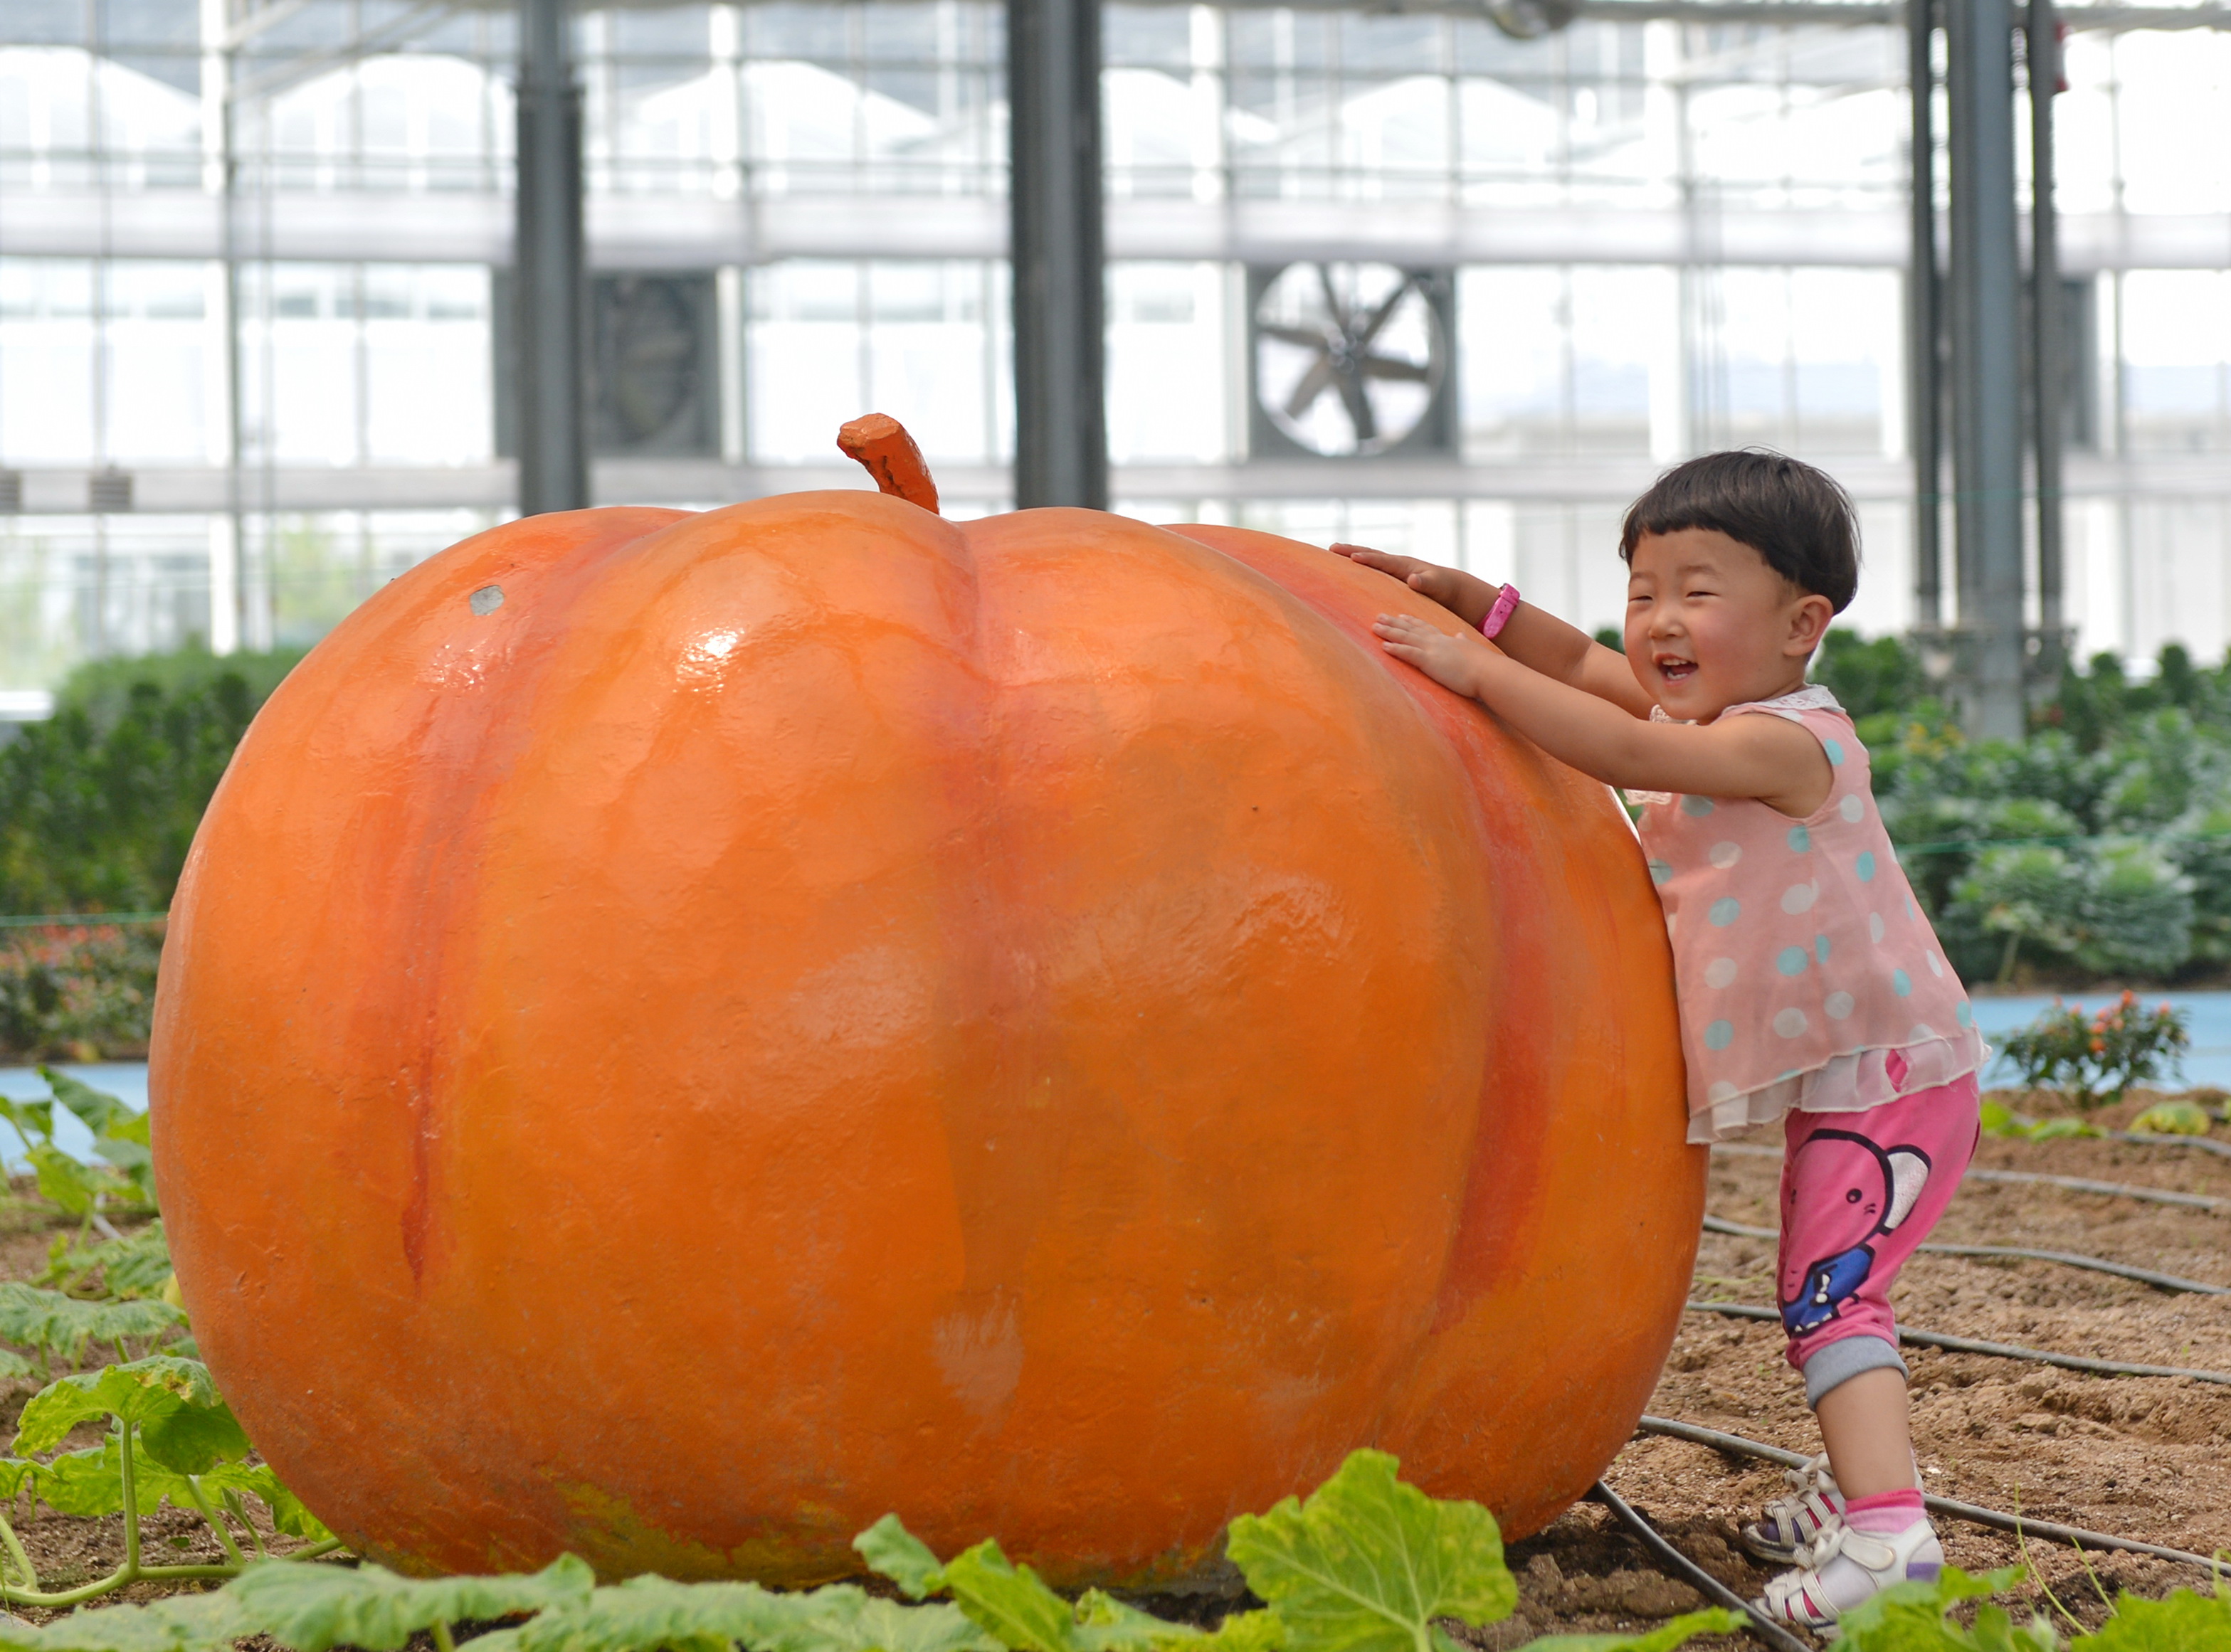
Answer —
1534 638
1770 759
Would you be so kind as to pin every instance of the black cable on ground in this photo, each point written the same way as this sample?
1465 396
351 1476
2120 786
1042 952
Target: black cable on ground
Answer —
2074 1183
2014 1253
2157 1139
2020 1524
1695 1575
1997 1350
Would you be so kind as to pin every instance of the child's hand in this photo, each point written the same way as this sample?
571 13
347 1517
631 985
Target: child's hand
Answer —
1455 662
1462 594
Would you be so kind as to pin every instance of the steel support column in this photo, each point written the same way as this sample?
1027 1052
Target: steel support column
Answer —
550 284
1053 97
2047 372
1924 325
1984 314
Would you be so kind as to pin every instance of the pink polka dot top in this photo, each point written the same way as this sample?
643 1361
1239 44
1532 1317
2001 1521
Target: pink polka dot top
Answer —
1807 975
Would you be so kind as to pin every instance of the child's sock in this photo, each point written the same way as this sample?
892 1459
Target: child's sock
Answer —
1885 1514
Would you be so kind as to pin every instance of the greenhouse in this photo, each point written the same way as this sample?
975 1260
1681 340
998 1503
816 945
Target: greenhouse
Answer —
255 284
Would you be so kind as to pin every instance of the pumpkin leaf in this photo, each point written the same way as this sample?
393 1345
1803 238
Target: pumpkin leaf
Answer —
77 1187
1009 1602
1912 1615
135 1159
2180 1622
2174 1119
843 1618
261 1480
184 1422
891 1550
645 1613
1260 1631
1106 1624
90 1483
54 1323
1677 1631
181 1623
33 1120
139 1266
314 1608
1367 1562
99 1112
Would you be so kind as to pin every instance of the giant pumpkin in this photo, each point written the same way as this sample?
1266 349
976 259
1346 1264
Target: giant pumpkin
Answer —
682 1033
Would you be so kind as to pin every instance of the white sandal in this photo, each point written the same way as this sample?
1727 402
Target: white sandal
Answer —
1808 1512
1848 1567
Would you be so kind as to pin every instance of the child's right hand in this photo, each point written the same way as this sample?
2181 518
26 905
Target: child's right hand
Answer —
1465 594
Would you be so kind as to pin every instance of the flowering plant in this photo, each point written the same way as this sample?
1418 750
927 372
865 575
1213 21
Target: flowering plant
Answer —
77 991
2094 1060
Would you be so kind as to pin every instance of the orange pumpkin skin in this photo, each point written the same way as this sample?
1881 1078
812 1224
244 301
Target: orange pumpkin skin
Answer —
810 1009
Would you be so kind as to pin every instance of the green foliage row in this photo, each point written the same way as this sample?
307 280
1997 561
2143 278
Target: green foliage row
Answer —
1366 1563
1916 1617
2099 845
77 991
99 803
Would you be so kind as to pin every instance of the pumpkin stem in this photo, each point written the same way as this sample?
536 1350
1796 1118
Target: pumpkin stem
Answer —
881 443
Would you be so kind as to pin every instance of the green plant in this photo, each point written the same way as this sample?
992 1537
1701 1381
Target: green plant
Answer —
171 1440
2174 1119
123 1182
1365 1564
1871 678
2095 1061
99 802
79 991
2119 908
1916 1617
102 689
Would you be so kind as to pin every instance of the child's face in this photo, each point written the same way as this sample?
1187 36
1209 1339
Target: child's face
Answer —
1709 625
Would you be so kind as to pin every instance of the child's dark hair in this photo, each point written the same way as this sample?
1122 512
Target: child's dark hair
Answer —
1798 518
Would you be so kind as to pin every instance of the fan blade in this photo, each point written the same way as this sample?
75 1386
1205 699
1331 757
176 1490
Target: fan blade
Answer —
1359 406
1417 372
1312 386
1309 338
1333 307
1384 313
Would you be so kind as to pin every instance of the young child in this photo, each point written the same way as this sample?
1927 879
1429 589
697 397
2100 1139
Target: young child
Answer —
1811 988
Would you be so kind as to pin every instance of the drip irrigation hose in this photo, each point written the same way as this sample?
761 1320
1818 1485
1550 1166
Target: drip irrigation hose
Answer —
2153 1138
1692 1574
2074 1183
1998 1350
2013 1253
2020 1524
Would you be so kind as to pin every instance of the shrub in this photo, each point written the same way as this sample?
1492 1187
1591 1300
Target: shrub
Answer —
77 993
99 803
1869 678
2117 908
2094 1062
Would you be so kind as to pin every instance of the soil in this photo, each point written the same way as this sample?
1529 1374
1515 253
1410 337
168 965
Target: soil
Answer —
2139 1457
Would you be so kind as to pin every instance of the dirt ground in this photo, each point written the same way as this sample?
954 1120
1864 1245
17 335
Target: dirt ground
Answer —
2141 1457
2147 1458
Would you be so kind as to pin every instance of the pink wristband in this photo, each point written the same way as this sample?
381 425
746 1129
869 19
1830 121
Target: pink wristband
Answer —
1499 615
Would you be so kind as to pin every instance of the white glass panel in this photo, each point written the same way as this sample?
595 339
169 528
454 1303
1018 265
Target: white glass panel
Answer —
46 361
1167 360
428 366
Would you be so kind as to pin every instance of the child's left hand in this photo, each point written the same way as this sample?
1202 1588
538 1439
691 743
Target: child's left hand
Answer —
1455 661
